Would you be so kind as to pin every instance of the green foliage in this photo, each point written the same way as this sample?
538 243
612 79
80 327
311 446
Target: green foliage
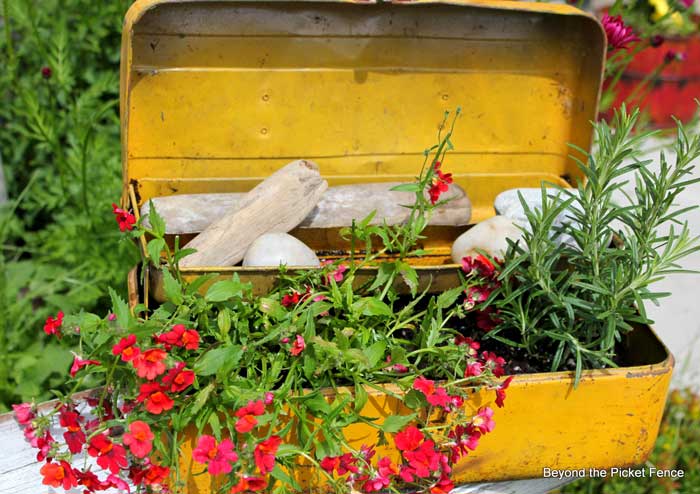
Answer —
677 448
59 141
576 299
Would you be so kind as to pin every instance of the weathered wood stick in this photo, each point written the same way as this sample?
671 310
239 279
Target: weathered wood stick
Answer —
277 204
192 213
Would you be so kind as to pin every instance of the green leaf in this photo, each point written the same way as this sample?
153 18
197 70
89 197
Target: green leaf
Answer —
448 298
412 187
227 289
394 423
286 480
370 306
414 399
172 287
215 426
361 397
375 353
156 221
120 308
409 276
154 248
214 360
201 398
317 403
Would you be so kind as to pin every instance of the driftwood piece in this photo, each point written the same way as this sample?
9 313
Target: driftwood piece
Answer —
276 205
192 213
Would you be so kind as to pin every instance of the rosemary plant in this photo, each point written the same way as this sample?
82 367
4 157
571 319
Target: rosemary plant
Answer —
575 299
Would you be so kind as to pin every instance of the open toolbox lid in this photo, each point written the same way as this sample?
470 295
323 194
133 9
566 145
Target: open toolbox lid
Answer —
216 95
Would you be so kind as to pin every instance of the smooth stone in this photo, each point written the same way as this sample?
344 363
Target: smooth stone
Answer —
489 236
273 249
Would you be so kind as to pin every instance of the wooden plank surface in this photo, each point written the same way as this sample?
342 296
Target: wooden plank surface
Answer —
19 470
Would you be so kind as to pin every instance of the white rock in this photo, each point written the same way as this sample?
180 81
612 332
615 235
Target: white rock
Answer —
273 249
489 236
508 204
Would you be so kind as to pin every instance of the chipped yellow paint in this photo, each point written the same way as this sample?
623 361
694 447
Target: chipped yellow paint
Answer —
217 95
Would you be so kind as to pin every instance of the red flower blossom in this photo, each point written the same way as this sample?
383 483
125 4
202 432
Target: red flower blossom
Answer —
24 413
619 35
483 420
246 416
474 369
125 219
127 348
149 364
90 481
425 386
298 345
486 319
109 455
408 439
269 398
118 483
385 470
58 475
44 444
436 396
46 72
494 362
139 439
472 346
156 475
330 463
443 486
291 299
480 265
53 326
249 484
79 363
501 391
178 378
265 452
74 435
423 460
155 397
476 295
465 439
180 336
217 457
440 183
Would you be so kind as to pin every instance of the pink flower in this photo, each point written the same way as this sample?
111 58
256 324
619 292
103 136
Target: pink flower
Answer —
480 265
53 325
483 420
269 398
298 346
264 454
465 439
494 362
474 369
501 391
619 35
139 439
79 363
337 275
246 416
217 457
24 413
688 3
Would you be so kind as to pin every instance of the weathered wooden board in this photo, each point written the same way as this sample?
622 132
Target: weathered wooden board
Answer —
276 205
19 470
192 213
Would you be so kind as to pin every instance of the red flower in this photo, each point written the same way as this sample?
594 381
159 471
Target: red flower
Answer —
476 295
149 364
480 265
436 396
155 397
178 379
443 486
298 345
127 348
249 484
24 413
46 72
425 386
156 475
472 346
483 420
139 439
291 299
44 444
53 326
246 416
330 463
125 219
265 452
440 183
91 482
474 369
408 439
217 457
486 319
180 336
117 482
465 439
423 460
58 475
494 362
79 363
619 35
501 391
74 435
109 455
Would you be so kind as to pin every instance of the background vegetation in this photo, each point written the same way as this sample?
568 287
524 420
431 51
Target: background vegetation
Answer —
59 142
59 139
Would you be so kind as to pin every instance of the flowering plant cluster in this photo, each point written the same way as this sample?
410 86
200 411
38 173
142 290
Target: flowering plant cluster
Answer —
237 385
